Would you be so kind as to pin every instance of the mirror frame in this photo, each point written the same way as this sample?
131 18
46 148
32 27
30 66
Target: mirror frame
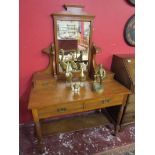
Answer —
73 13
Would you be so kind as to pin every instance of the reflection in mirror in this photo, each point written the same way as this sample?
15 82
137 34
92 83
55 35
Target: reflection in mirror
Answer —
73 44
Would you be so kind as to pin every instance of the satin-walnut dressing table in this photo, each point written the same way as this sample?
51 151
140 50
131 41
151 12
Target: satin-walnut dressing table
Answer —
49 96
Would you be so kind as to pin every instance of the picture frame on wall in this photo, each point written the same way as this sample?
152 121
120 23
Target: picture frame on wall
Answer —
132 2
129 31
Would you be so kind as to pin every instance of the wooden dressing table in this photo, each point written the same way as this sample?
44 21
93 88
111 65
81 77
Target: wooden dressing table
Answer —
49 96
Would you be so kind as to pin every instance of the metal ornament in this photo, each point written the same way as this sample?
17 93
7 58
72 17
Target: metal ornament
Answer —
82 76
76 87
99 75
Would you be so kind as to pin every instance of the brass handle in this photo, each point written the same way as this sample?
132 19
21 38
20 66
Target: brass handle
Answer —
61 109
106 101
129 60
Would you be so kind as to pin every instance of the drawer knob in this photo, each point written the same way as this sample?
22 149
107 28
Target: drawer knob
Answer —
61 109
106 101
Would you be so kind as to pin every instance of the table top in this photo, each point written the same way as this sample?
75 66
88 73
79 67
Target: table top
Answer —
58 93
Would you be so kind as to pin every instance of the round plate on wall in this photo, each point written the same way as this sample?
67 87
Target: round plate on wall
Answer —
131 2
129 32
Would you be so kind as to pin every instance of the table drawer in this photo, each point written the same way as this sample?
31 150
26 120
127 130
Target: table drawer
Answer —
103 103
60 109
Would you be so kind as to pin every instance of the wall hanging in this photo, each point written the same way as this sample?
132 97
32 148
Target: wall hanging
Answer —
131 2
129 32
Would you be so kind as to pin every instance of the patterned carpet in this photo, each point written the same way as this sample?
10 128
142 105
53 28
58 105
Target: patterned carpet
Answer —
97 140
122 150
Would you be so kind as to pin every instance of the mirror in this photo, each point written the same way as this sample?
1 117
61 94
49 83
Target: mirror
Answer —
73 44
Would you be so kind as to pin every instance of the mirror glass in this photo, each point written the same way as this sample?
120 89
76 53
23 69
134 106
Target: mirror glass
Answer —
73 44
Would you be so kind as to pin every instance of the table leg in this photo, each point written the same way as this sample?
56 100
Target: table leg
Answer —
120 115
38 129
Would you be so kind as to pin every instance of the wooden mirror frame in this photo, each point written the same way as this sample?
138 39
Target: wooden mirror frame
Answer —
73 13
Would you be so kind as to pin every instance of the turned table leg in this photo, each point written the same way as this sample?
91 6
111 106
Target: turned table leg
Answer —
120 115
38 129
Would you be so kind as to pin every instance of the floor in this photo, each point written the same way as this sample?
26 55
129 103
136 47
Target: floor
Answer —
88 141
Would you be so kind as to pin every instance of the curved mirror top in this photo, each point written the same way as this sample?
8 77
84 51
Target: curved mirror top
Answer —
73 44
